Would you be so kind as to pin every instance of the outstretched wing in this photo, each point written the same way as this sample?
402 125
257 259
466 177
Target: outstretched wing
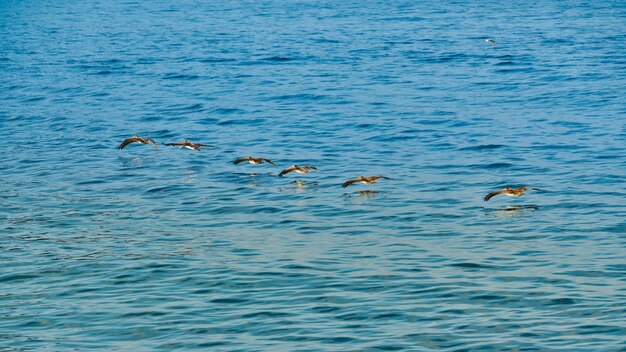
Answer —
204 145
151 141
349 182
492 194
240 160
173 144
287 170
128 141
379 176
269 161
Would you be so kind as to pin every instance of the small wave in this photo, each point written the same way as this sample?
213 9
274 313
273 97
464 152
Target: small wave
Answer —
556 147
442 59
561 301
515 70
227 111
177 76
109 61
265 314
33 99
216 60
433 122
17 277
151 118
492 166
208 121
164 189
483 147
391 138
325 40
302 96
277 59
250 122
181 109
506 63
403 19
229 300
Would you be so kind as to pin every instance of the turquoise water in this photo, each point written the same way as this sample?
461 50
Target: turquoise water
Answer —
182 250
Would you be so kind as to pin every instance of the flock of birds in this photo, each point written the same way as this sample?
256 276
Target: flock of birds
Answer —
511 192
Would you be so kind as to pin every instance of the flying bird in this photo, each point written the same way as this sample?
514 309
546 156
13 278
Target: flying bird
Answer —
189 145
511 192
255 161
137 139
363 179
298 169
489 40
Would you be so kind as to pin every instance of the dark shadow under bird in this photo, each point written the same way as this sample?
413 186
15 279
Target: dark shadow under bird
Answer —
137 139
368 193
302 184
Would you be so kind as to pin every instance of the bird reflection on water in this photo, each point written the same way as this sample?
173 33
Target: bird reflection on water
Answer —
513 210
364 196
301 186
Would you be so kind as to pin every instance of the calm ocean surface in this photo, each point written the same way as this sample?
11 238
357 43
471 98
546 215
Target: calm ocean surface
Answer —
141 250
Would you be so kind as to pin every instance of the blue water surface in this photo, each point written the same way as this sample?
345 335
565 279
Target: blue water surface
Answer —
143 250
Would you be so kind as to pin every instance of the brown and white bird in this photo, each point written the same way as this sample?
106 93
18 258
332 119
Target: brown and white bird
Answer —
255 161
189 145
363 179
137 139
298 169
511 192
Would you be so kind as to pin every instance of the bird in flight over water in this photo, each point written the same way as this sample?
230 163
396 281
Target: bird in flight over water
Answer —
298 169
363 179
137 139
489 40
189 145
511 192
255 161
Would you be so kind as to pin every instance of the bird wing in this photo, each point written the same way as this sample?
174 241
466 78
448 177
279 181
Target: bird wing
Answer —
173 144
128 141
492 194
269 161
349 182
204 145
312 167
287 170
379 176
240 160
151 141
